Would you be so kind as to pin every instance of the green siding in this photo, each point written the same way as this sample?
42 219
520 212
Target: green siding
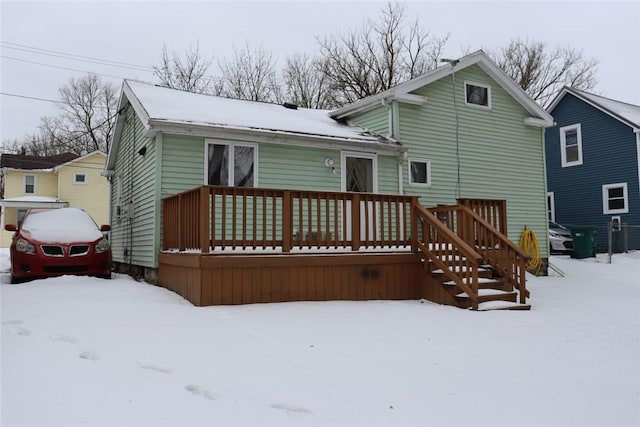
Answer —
376 121
134 236
182 163
500 157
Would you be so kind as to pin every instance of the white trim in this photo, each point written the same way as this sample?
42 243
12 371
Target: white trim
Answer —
605 198
563 145
358 155
476 58
24 183
551 206
83 182
231 145
481 85
419 184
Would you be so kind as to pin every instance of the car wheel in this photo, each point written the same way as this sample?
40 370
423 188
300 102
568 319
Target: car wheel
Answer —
15 280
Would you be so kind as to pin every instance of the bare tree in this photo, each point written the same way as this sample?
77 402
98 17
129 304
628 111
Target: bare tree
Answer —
189 72
85 123
305 83
542 71
379 55
250 74
88 113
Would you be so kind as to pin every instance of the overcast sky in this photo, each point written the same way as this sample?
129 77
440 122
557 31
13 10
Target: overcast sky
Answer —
134 33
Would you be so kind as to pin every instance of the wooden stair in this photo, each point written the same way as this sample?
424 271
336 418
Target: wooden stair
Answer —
493 293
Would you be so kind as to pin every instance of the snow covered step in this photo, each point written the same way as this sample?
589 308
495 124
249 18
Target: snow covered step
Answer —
489 294
502 305
459 269
481 281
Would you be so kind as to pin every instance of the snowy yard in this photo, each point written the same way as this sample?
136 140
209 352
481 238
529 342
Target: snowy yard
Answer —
90 352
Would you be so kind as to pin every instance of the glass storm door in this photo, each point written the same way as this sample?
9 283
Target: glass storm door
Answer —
359 177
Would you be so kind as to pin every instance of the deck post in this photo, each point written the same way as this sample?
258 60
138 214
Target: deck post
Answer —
414 225
287 221
205 242
355 223
181 244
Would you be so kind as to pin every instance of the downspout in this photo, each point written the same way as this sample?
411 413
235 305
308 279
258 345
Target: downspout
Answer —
391 123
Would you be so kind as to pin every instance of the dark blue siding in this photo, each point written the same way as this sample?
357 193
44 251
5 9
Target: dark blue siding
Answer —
609 156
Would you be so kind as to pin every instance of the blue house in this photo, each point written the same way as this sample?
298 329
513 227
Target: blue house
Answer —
593 166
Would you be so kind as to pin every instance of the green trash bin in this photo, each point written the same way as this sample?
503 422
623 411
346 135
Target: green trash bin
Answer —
584 242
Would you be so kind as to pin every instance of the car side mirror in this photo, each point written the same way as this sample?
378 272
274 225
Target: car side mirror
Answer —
10 227
105 227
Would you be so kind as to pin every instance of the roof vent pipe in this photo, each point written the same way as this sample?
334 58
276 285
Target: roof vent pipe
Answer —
290 106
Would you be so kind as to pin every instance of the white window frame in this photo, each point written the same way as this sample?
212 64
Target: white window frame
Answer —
24 183
605 198
551 206
419 184
77 174
231 145
466 101
563 145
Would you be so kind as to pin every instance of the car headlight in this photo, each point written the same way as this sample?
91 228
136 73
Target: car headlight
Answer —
554 234
102 246
25 246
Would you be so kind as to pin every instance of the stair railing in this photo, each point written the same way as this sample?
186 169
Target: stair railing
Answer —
447 251
495 248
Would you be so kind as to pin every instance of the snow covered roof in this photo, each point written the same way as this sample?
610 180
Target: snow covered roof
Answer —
402 92
627 113
162 104
177 111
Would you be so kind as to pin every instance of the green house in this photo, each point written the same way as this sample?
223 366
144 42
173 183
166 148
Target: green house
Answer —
461 131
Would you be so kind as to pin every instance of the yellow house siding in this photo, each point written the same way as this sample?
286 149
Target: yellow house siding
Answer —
93 196
46 183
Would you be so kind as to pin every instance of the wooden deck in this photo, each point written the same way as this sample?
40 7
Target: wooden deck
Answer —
228 245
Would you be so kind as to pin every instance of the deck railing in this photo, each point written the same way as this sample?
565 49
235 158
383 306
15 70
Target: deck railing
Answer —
230 218
494 247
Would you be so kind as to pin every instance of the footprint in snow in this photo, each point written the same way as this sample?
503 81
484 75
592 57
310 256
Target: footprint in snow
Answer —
88 355
291 409
14 326
157 368
64 338
197 390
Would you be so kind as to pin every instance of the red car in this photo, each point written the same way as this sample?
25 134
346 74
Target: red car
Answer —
53 242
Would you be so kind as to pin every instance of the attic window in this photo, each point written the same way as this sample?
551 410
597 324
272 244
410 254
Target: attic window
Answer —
79 178
477 94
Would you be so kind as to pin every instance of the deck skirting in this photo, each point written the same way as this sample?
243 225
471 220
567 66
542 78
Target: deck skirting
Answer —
211 279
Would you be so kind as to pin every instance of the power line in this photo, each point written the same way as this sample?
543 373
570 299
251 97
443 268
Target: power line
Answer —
73 57
60 67
46 100
32 97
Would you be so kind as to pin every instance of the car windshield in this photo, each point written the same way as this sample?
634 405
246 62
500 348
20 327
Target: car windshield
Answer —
64 225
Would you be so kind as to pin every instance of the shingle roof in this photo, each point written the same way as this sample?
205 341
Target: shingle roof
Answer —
20 161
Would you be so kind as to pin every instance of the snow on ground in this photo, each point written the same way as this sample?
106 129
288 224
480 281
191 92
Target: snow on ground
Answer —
89 352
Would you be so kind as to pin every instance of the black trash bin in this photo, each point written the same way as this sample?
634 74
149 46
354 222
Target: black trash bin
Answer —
584 242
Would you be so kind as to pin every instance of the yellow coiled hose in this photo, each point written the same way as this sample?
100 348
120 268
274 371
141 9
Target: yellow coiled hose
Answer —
529 244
